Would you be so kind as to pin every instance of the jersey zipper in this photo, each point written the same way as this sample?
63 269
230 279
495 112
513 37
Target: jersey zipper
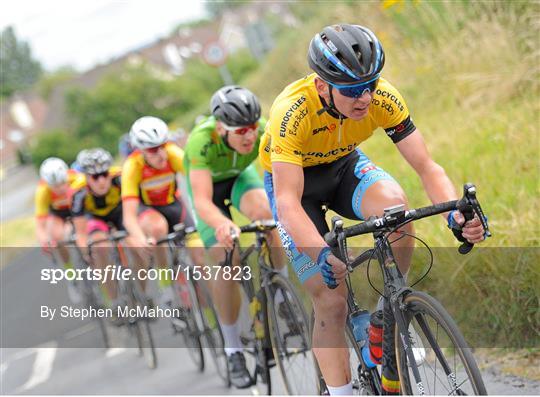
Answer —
339 131
234 159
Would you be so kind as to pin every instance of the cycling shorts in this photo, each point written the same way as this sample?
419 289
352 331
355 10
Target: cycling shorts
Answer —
101 224
339 186
174 213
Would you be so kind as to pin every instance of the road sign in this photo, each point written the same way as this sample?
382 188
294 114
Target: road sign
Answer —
214 54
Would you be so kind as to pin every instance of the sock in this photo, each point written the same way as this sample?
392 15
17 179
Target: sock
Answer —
231 336
284 271
345 390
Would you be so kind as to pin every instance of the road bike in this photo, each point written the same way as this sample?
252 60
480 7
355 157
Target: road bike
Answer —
131 297
423 350
198 323
279 329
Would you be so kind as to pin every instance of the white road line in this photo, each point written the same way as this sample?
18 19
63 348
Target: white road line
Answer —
114 351
41 371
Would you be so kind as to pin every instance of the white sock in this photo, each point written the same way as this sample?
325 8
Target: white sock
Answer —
284 271
231 336
345 390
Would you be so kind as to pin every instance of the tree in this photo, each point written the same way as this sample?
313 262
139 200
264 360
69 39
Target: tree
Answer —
19 70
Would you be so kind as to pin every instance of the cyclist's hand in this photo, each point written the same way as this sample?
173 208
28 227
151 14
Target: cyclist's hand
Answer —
333 270
471 231
223 233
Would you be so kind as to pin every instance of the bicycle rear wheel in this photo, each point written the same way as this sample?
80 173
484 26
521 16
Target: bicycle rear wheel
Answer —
290 333
445 362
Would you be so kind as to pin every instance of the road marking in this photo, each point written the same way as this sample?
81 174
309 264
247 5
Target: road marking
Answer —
41 371
115 351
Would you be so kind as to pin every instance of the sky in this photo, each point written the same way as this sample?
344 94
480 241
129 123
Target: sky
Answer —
82 33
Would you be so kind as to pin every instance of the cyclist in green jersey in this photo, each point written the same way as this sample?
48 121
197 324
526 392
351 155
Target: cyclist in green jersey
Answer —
218 159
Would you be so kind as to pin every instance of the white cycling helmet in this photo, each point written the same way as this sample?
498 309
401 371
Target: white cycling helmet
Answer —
53 171
148 132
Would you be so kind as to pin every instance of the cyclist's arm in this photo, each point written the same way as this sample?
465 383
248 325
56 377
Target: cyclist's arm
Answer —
131 221
42 202
437 184
288 188
202 188
41 230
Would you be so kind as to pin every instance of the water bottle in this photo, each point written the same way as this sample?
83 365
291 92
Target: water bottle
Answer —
359 320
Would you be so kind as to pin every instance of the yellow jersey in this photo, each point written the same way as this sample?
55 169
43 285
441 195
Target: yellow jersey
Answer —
297 134
84 201
47 201
154 187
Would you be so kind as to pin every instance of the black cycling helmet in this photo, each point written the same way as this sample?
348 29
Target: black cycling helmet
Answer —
94 161
346 54
235 106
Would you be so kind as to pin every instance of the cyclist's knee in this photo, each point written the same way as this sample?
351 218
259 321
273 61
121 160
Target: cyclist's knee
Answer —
154 225
382 195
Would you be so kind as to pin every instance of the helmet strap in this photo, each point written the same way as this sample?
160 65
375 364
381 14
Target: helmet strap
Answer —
226 140
330 107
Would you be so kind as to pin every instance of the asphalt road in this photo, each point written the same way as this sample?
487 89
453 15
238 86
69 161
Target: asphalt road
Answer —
39 356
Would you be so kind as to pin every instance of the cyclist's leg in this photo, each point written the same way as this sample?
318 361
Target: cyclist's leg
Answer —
329 343
97 229
154 225
367 190
249 197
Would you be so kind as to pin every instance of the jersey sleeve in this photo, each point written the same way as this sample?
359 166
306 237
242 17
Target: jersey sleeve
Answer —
393 112
42 200
77 202
286 127
176 157
131 178
197 151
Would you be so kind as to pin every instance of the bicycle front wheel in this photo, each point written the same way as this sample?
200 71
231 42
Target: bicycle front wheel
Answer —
291 335
444 361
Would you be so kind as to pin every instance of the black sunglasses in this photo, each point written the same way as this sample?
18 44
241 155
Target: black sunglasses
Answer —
104 174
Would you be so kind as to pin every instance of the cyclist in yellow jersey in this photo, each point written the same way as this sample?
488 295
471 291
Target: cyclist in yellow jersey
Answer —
151 206
52 208
311 158
97 205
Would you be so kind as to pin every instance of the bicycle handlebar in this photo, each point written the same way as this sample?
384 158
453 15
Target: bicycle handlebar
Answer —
397 216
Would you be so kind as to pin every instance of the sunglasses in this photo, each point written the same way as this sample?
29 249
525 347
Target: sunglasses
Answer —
154 150
104 174
357 90
241 130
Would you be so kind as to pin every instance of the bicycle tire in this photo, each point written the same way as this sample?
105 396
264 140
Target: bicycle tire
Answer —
93 301
211 331
190 333
145 341
291 342
419 305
